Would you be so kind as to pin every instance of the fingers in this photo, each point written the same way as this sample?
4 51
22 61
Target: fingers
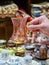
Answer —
35 21
38 20
36 24
34 27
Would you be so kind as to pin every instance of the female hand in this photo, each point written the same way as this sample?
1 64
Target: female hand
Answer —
40 24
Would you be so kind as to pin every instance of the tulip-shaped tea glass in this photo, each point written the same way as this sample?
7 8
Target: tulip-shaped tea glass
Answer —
19 29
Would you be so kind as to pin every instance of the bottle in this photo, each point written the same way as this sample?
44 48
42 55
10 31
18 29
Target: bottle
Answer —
43 52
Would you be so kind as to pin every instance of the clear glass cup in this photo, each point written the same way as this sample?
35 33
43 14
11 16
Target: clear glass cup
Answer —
19 29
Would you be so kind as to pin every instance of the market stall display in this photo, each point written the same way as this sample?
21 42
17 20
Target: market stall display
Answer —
8 9
40 9
24 47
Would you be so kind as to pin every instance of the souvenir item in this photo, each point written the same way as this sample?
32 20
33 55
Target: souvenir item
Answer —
19 30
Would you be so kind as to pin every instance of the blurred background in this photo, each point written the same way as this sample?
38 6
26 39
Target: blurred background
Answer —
34 8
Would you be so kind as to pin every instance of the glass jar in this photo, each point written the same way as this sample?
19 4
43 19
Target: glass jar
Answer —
29 49
43 51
